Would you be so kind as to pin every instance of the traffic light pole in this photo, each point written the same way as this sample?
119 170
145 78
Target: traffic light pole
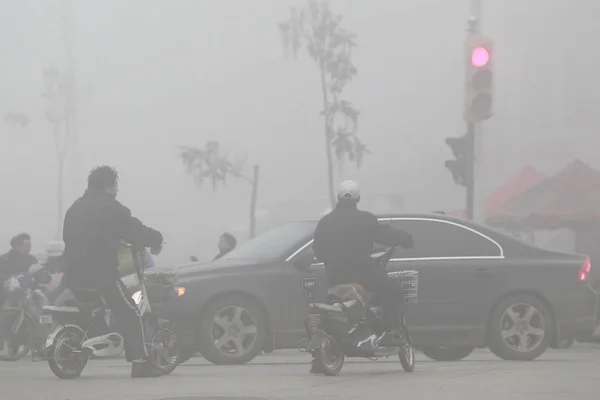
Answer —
474 22
470 170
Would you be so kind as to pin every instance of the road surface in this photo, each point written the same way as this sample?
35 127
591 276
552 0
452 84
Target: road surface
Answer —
572 374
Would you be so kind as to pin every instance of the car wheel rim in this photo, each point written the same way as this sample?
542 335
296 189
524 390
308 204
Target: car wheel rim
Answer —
523 327
234 331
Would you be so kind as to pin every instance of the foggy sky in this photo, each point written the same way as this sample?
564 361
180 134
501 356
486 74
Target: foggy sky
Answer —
158 74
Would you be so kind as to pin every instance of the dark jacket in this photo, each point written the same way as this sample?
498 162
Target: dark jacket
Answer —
344 240
93 230
15 263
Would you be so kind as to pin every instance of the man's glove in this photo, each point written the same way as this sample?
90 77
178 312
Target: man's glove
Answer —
156 250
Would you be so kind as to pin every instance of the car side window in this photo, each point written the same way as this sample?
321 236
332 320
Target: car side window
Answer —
437 238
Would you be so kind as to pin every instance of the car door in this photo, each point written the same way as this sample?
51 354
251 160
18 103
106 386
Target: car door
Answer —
456 265
299 265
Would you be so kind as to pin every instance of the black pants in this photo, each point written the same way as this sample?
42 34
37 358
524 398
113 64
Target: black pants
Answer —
390 295
127 318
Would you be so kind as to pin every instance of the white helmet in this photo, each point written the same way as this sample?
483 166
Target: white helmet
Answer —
348 190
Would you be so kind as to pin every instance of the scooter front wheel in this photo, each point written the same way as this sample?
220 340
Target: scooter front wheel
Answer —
163 350
66 358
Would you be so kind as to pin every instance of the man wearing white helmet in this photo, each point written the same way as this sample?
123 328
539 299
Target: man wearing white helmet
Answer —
344 241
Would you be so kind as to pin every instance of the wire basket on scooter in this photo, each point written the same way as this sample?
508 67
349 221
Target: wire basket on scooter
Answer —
409 281
161 285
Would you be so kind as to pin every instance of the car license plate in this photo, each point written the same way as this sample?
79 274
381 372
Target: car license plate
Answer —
45 319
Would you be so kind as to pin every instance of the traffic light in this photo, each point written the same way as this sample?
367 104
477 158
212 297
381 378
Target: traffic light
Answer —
479 79
460 165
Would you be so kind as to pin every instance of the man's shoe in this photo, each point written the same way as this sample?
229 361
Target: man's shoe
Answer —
316 367
143 370
391 339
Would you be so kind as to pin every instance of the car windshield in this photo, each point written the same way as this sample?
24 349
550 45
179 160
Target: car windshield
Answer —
274 243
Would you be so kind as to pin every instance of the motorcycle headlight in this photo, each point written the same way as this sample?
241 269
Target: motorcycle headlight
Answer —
137 297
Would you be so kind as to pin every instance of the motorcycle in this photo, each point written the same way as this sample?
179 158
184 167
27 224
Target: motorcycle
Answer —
349 326
76 338
20 330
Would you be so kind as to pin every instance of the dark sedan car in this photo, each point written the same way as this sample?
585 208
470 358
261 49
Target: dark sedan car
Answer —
478 288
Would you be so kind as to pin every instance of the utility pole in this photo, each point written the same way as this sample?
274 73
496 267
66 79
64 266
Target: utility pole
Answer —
71 120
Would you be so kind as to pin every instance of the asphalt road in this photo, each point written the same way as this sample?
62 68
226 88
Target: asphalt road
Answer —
572 374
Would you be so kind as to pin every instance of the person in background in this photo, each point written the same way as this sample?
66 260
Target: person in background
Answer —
227 242
18 260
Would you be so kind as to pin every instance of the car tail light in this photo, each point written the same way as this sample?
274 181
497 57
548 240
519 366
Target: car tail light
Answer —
584 271
312 322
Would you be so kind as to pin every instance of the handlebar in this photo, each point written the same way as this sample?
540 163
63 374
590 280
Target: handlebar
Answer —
131 246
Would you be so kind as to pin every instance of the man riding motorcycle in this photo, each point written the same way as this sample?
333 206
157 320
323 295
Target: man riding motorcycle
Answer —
17 261
94 227
344 240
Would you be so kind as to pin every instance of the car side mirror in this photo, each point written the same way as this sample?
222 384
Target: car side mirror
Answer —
194 259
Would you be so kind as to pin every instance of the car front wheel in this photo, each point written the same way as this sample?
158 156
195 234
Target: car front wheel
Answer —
232 330
520 328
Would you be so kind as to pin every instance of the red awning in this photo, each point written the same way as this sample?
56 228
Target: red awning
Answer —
525 180
569 198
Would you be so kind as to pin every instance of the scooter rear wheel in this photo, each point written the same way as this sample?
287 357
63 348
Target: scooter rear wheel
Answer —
330 356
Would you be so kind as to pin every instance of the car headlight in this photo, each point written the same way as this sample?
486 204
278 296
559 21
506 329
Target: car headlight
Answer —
137 297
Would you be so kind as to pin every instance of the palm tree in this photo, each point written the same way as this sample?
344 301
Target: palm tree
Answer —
317 27
209 163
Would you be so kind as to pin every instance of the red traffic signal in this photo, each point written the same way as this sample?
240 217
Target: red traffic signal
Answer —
480 57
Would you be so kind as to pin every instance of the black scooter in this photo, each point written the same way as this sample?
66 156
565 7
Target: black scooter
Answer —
349 326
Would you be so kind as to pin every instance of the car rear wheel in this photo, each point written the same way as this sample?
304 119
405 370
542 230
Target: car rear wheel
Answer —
520 328
454 353
232 330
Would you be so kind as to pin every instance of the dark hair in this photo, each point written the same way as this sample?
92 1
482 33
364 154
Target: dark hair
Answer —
102 177
19 239
229 238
